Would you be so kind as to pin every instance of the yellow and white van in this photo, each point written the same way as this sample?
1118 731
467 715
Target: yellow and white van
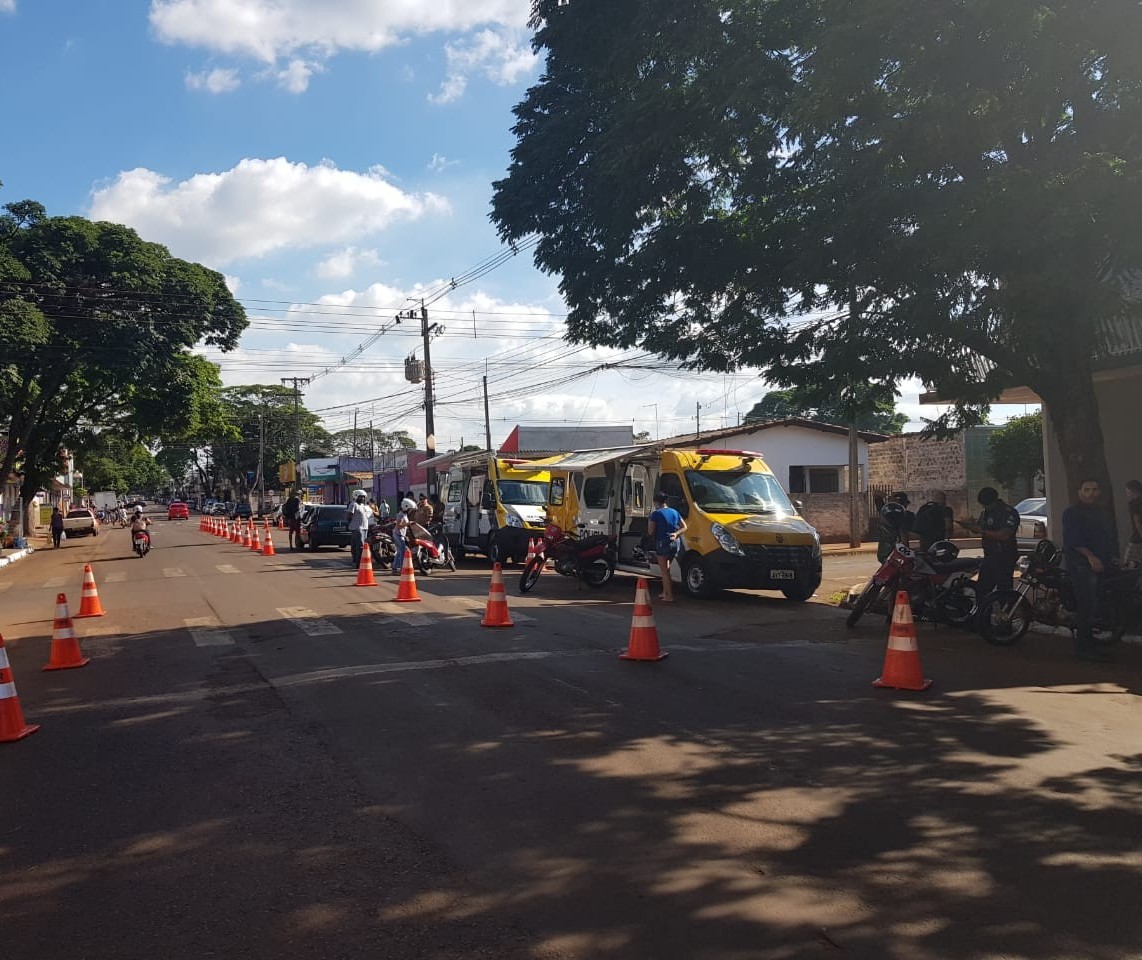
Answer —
494 505
742 529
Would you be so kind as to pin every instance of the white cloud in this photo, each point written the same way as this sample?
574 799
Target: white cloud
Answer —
439 163
7 6
270 30
218 80
258 207
233 284
306 33
344 263
295 77
503 56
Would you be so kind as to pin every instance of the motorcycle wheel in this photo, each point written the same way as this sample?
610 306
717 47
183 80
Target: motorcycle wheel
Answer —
451 562
423 563
871 591
1004 617
959 608
598 574
530 576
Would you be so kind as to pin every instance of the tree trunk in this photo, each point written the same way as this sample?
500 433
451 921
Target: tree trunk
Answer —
1072 405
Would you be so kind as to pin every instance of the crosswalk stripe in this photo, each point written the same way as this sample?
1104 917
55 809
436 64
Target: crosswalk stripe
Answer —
208 632
173 572
476 605
55 583
117 577
308 621
227 568
400 613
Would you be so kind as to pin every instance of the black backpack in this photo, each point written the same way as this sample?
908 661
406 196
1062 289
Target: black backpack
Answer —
930 521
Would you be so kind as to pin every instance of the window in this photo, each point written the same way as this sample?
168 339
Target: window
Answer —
796 480
595 492
671 485
824 480
454 491
558 492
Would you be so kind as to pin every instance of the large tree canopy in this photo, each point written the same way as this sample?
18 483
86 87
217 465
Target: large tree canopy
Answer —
843 193
824 407
96 326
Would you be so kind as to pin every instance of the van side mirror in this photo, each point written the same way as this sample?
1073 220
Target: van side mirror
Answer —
799 505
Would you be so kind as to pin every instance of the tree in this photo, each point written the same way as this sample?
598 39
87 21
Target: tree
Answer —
97 326
113 463
356 443
843 192
251 409
819 406
1017 452
643 436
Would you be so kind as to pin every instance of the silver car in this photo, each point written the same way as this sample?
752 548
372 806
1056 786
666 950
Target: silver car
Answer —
1033 522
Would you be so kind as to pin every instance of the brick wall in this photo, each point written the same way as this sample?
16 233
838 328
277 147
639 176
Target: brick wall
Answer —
921 465
829 513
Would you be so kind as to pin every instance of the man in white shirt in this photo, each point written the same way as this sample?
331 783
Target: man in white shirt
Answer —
359 516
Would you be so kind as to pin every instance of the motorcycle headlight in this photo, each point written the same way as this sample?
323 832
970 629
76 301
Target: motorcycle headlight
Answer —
726 540
514 520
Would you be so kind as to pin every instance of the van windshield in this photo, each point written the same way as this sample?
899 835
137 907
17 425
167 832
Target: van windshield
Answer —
524 492
734 491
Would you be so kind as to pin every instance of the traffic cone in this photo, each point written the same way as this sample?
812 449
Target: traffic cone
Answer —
89 605
65 647
643 642
268 550
244 536
532 553
902 659
365 576
234 537
256 541
406 588
496 614
12 725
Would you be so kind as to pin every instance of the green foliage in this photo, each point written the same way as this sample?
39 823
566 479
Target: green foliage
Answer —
826 408
114 463
342 442
1017 451
96 326
842 192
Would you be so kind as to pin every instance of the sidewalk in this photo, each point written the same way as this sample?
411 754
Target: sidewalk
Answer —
34 543
869 546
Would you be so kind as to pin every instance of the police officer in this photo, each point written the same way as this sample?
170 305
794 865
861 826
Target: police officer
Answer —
999 525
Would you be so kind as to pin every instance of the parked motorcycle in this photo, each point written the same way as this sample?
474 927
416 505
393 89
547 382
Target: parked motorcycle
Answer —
1045 594
591 558
141 543
381 544
939 584
431 551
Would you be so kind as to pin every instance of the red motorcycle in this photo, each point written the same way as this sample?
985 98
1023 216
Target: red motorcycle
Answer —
591 558
939 585
430 548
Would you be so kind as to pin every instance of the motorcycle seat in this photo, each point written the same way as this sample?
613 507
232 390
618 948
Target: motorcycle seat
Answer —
966 565
591 540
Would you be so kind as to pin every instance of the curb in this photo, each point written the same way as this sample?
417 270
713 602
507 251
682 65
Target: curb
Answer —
16 555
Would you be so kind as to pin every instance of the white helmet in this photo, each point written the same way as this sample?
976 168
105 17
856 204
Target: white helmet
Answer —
360 495
408 504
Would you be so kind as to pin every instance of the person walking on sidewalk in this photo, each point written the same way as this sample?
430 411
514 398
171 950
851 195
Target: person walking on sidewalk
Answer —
57 526
666 527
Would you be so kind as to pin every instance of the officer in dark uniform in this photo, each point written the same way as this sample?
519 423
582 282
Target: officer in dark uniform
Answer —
998 524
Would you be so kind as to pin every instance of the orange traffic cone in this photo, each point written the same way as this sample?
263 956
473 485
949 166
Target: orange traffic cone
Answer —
365 576
256 542
531 551
268 550
902 659
496 614
406 588
12 725
65 647
643 642
234 537
89 605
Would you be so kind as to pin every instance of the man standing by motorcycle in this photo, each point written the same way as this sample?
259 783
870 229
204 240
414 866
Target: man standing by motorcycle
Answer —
359 517
291 514
896 522
999 525
400 531
1088 547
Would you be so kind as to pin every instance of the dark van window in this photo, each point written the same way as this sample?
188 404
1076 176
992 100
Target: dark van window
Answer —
671 485
595 492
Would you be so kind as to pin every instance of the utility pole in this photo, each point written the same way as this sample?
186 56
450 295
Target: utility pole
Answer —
429 423
854 447
297 382
487 418
655 405
698 419
262 462
354 433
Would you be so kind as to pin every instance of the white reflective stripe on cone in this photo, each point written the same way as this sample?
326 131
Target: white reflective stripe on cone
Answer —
7 691
906 644
642 621
3 659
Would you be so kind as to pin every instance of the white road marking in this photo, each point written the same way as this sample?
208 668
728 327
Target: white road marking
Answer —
395 611
54 583
227 568
476 605
308 621
208 632
117 577
173 572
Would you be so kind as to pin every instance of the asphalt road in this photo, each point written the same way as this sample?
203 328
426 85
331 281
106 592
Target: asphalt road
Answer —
264 761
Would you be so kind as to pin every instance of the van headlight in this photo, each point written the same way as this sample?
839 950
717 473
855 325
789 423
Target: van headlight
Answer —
726 540
816 545
514 520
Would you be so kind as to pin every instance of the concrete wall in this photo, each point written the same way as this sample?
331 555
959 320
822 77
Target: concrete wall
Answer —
1119 400
829 513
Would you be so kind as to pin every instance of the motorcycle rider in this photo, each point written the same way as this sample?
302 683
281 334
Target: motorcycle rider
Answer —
401 531
139 524
359 518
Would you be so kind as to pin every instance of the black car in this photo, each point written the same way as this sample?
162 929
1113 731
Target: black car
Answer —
324 525
241 511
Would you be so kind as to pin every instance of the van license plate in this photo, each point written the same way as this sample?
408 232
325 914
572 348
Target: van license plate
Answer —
782 574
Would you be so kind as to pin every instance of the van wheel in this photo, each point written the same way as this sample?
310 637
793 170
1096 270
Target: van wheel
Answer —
494 549
695 579
800 592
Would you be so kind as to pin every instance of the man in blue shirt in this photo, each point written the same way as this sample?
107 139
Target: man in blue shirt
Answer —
1088 545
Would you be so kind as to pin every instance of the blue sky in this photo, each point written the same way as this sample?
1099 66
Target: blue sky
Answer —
337 153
